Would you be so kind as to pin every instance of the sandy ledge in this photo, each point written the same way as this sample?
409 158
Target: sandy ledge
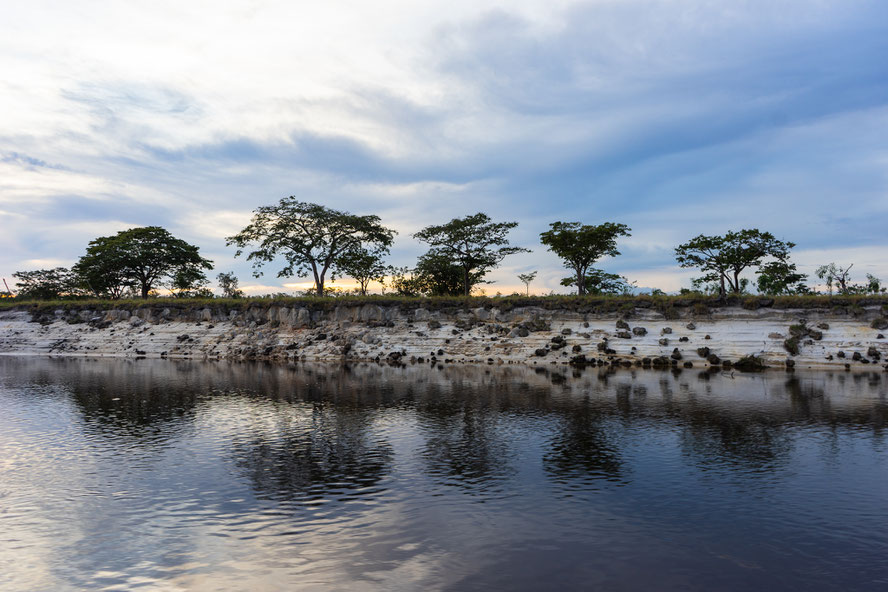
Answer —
522 335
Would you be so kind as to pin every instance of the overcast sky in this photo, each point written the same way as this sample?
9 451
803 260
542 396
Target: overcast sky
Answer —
674 117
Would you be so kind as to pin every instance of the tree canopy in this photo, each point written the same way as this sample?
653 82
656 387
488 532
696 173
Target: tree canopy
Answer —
598 281
146 258
781 278
310 237
474 243
723 258
46 284
364 266
581 245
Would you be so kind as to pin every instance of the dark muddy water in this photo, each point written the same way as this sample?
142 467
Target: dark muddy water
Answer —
144 475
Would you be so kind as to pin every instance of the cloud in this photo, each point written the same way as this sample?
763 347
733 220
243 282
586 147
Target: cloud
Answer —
675 118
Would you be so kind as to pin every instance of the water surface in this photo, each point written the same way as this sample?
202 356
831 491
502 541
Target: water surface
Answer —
162 475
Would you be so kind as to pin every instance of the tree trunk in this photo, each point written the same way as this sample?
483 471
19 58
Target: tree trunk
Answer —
466 280
145 289
721 289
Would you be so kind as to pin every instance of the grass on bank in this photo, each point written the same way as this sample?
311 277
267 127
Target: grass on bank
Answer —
669 305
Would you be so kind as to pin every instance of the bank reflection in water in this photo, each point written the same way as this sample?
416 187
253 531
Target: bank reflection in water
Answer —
583 469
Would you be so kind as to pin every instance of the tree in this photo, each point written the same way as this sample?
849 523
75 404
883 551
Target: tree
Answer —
147 257
724 258
190 282
364 266
228 284
105 276
405 282
781 278
46 284
835 274
474 243
310 237
526 278
438 275
581 245
874 285
598 281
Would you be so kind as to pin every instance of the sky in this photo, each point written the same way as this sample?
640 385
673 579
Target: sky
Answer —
674 117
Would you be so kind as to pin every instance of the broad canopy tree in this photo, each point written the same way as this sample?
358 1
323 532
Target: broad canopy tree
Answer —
475 244
723 258
581 245
310 237
144 258
46 284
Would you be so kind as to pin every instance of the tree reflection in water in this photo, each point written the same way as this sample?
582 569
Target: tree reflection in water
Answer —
327 451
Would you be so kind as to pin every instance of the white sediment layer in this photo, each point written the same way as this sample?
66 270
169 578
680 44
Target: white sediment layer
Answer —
483 335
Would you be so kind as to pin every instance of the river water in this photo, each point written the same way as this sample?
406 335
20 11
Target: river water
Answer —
163 475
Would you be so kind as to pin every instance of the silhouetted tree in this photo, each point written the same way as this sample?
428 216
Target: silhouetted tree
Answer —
474 243
724 258
146 257
310 237
581 245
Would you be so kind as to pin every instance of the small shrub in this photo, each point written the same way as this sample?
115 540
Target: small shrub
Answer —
792 345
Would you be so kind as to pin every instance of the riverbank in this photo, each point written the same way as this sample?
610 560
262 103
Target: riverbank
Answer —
632 333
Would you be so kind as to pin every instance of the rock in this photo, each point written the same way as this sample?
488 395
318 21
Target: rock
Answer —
523 332
683 339
621 324
776 336
540 352
303 318
576 349
421 314
557 339
321 337
624 335
136 322
703 352
665 330
688 364
873 353
823 326
372 312
789 363
663 341
815 334
856 356
880 336
183 338
713 359
433 324
707 337
640 331
566 331
676 355
840 354
481 313
880 324
691 326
